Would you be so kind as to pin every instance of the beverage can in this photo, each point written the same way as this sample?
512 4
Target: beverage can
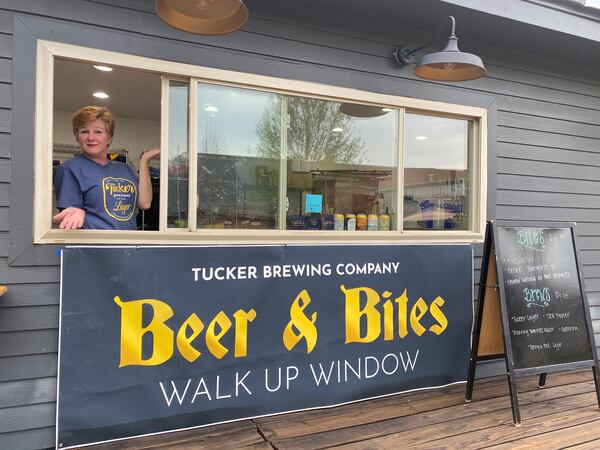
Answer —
361 222
338 222
373 222
384 222
350 222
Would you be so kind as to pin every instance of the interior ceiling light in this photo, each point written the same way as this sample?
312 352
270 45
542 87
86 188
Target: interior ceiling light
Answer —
100 94
362 111
421 138
211 108
207 17
448 65
103 68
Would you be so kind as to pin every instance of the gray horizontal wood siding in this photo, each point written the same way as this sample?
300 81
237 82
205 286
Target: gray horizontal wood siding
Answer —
547 163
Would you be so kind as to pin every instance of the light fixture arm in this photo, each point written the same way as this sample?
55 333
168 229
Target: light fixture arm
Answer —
406 55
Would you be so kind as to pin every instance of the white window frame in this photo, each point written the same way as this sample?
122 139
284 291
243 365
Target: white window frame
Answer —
44 234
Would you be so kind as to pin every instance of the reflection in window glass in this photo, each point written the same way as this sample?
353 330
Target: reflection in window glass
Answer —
341 165
437 186
270 161
238 184
177 211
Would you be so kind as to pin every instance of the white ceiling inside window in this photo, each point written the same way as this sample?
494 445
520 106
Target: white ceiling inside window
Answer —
132 93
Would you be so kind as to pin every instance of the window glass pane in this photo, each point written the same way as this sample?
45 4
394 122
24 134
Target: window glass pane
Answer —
437 173
133 98
177 211
238 178
341 165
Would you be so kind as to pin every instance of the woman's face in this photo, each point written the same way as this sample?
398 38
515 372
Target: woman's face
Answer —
93 139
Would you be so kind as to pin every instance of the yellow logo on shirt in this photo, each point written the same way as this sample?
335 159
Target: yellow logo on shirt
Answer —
120 197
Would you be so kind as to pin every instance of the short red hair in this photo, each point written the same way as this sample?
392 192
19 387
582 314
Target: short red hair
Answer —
87 113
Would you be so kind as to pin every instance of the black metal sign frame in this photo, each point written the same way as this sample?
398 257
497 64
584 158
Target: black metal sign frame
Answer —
492 249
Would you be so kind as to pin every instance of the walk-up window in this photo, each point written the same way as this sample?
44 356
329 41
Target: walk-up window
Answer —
254 158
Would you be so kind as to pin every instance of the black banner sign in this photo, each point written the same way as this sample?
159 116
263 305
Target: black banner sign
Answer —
157 339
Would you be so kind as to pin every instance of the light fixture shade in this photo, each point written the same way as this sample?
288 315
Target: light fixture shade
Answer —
361 111
450 64
207 17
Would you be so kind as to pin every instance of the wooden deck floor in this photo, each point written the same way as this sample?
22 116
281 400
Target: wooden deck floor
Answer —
564 414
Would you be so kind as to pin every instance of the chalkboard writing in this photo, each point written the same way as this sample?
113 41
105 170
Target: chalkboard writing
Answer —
546 315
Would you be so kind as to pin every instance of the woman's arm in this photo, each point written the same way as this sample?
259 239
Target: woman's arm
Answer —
144 184
69 199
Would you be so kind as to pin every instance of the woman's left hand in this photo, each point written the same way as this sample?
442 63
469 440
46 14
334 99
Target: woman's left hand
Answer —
150 154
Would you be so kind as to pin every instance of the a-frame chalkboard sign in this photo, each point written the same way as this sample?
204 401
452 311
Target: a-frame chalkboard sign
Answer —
533 308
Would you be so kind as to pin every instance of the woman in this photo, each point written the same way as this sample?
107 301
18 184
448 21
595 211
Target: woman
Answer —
94 192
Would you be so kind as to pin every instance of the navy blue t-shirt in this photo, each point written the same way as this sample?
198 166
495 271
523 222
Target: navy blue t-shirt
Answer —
107 194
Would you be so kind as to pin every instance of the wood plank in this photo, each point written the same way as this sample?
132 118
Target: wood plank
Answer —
24 274
27 417
549 154
6 22
5 121
509 212
3 245
4 187
29 366
549 199
548 124
526 90
29 342
547 169
545 139
528 182
590 445
243 433
27 392
4 170
569 434
29 439
233 438
6 45
20 294
5 95
29 318
549 80
590 242
5 70
542 108
593 284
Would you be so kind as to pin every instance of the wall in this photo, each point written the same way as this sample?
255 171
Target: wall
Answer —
547 165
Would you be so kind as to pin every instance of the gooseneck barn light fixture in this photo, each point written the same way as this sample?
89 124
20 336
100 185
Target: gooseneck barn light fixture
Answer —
203 16
448 65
